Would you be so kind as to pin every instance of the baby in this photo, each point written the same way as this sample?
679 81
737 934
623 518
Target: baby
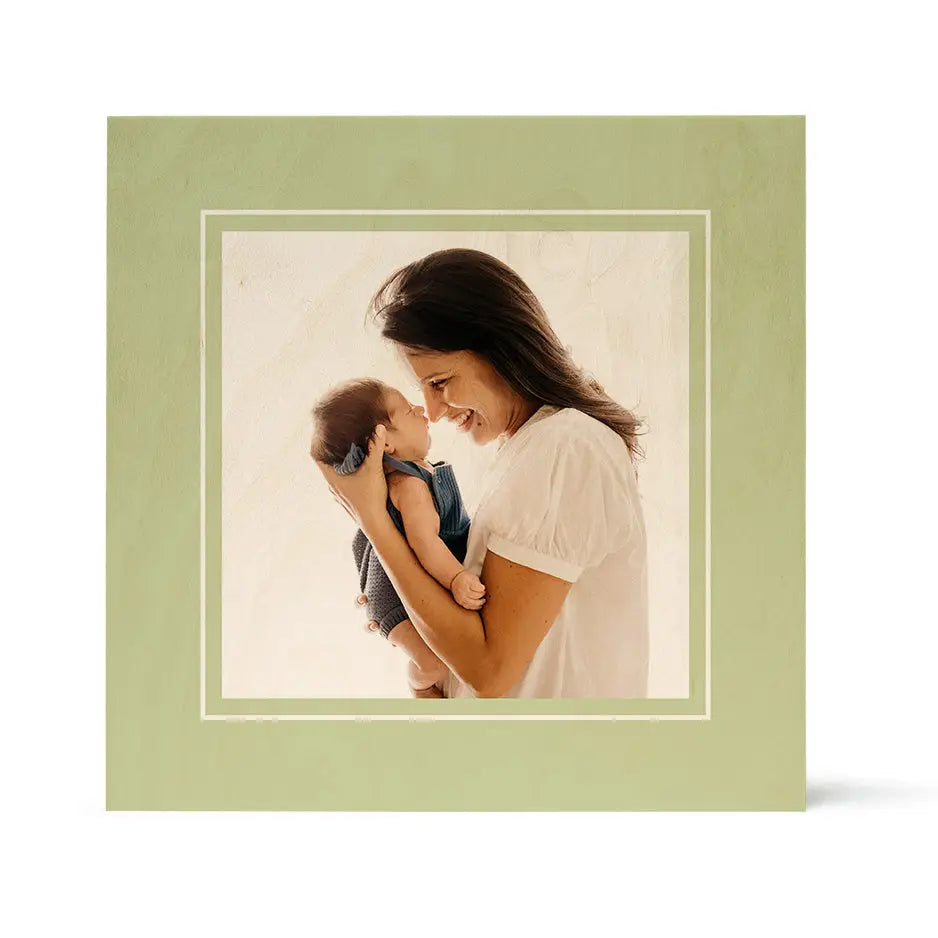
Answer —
423 501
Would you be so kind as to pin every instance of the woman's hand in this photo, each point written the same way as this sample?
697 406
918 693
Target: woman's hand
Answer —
364 493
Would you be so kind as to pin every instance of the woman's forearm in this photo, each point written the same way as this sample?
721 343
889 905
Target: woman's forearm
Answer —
455 634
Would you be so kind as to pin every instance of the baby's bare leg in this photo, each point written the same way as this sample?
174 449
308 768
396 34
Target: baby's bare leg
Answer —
405 636
417 680
427 669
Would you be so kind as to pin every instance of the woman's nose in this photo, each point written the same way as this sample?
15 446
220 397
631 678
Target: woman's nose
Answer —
435 407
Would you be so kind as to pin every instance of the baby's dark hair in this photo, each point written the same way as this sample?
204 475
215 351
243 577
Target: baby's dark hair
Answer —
348 414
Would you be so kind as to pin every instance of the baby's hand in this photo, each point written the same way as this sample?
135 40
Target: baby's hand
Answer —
467 590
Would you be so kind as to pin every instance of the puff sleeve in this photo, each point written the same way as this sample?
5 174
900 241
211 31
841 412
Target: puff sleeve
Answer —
566 505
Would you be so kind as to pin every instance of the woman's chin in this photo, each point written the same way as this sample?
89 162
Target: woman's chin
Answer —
481 435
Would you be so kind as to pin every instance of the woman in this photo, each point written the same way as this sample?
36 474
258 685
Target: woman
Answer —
558 536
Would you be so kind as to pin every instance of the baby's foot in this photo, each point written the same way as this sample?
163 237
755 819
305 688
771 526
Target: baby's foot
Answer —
424 681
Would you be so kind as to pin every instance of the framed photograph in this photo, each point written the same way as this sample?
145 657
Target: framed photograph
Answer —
456 463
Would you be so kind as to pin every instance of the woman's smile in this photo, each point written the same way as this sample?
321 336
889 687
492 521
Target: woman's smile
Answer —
464 420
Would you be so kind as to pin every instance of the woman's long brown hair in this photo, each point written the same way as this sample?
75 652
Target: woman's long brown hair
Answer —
464 300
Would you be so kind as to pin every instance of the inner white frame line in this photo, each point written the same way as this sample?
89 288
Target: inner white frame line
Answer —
706 715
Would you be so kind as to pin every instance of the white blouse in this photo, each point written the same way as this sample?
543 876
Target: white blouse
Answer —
561 497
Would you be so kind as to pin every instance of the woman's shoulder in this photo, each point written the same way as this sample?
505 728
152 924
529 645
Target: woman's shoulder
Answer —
566 490
559 428
564 448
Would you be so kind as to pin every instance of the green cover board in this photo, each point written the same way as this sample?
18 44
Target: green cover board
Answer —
735 185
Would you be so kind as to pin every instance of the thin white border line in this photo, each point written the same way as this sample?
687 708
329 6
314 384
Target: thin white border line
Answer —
202 573
706 715
455 211
369 717
707 462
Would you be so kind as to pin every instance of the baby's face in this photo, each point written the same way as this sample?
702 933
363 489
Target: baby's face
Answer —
409 434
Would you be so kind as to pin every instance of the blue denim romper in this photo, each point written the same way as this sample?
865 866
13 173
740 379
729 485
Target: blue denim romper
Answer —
383 605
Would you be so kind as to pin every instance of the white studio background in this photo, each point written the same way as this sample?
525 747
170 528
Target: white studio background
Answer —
293 325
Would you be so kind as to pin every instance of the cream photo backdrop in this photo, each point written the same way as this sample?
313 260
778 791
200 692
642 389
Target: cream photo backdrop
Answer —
293 325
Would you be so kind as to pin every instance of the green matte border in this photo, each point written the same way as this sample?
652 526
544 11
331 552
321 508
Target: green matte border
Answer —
748 173
216 706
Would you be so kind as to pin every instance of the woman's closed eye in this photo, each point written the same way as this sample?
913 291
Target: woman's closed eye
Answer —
439 384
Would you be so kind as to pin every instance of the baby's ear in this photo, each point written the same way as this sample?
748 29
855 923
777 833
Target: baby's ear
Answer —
388 444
